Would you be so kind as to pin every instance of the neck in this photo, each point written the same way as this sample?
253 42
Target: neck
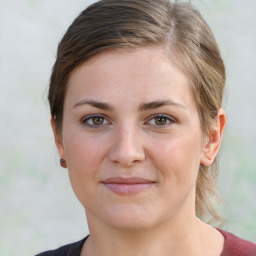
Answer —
179 236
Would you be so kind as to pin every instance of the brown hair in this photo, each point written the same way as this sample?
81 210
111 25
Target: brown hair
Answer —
126 24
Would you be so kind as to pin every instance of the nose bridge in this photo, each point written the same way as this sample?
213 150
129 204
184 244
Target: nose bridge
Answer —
127 148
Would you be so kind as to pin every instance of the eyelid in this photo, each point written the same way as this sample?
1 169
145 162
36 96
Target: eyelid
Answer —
169 118
84 120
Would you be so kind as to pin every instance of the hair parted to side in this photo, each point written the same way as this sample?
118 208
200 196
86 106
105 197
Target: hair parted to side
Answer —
126 24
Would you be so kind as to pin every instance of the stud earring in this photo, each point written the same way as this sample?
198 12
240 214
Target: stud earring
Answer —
63 163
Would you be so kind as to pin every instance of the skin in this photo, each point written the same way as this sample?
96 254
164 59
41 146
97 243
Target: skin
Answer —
126 139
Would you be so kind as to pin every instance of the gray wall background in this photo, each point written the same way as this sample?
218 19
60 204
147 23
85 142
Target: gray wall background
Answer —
38 210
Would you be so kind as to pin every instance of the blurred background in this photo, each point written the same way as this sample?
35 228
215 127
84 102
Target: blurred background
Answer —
38 209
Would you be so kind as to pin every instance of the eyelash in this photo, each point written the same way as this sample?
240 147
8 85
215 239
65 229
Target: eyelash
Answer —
85 120
168 120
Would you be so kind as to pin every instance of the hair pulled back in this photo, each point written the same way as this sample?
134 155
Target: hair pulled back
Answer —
126 24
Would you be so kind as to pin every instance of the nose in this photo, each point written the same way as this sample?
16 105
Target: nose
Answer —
127 148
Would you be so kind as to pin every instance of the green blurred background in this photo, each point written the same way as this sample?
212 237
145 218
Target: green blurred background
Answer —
38 210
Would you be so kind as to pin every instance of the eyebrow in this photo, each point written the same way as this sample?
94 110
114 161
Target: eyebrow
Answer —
158 104
142 107
96 104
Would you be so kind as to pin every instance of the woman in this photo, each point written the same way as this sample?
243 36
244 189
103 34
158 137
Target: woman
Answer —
136 105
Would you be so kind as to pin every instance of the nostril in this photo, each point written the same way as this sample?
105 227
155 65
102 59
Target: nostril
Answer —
126 156
127 149
126 159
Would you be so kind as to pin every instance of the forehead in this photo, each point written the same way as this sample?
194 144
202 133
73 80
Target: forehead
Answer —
143 72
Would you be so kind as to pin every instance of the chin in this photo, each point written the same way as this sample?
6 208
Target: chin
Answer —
131 218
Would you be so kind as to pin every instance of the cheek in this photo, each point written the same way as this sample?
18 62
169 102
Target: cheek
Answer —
83 150
84 155
177 159
177 163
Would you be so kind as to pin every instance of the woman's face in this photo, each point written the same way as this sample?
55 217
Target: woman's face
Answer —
132 139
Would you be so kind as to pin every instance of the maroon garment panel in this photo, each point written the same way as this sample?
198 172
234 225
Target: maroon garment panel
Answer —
235 246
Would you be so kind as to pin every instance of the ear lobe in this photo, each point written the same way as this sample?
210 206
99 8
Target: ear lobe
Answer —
58 139
214 139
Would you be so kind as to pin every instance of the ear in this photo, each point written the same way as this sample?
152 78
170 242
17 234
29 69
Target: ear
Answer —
58 139
213 140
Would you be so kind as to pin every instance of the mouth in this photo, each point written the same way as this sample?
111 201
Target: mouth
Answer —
127 186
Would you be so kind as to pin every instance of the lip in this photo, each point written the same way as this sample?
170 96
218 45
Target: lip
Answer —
127 186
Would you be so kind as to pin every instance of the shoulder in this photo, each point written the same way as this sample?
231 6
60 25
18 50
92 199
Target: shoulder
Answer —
73 249
235 246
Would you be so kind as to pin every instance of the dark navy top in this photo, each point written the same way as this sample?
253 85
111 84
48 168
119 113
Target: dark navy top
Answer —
234 246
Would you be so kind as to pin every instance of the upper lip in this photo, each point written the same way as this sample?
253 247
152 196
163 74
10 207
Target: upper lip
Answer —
127 180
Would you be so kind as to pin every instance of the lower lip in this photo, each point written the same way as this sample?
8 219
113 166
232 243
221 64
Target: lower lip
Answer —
128 189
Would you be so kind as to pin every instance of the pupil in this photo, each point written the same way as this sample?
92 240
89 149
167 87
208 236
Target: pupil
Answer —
97 120
160 121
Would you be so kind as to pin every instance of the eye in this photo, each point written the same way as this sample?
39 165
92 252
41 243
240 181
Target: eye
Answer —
160 120
94 121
